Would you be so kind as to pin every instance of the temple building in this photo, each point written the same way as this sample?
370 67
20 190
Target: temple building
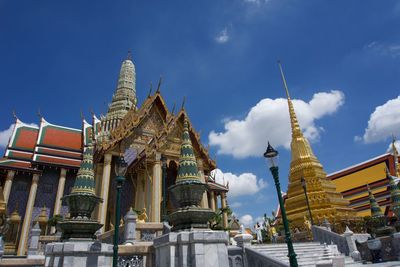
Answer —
41 162
352 182
325 201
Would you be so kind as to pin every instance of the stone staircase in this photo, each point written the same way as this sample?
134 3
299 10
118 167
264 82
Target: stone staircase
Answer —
308 253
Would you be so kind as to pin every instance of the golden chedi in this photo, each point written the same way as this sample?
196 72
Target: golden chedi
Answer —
325 201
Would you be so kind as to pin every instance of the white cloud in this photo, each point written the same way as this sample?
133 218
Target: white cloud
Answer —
384 49
222 36
6 134
246 220
383 122
269 120
239 185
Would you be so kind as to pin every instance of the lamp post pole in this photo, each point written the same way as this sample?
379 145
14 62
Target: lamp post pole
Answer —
164 186
272 156
304 185
120 170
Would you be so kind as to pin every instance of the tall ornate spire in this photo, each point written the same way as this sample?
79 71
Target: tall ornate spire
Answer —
375 209
84 182
296 131
125 95
396 157
299 145
394 194
187 169
325 201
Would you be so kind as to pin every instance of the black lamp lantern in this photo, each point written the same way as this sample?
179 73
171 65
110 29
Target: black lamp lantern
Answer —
272 156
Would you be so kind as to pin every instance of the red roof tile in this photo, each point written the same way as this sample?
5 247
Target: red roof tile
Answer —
58 137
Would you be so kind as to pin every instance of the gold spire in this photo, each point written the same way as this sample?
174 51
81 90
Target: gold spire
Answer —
299 145
296 131
325 200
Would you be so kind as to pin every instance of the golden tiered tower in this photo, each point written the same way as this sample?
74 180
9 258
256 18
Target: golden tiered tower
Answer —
324 200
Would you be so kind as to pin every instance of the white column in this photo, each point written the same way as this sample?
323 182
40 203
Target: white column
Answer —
28 216
224 214
8 184
104 190
60 193
212 200
204 200
156 190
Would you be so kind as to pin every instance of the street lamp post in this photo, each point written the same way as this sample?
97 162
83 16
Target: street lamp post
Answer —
272 158
304 185
164 187
120 169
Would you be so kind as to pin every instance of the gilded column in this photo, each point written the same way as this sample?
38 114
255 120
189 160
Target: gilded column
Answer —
224 214
212 201
60 192
8 184
156 190
204 200
104 190
28 216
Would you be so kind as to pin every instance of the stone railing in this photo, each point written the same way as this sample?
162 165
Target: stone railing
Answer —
245 256
144 232
324 235
255 258
345 242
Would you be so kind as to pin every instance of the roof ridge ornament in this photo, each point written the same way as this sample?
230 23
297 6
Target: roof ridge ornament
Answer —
159 84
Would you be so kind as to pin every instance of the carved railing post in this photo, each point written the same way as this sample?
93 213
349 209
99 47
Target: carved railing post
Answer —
130 227
354 253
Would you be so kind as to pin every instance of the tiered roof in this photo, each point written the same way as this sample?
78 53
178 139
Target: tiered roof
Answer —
31 146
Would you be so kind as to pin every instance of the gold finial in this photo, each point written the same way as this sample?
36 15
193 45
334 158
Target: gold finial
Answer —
283 79
183 102
173 109
14 115
159 84
151 89
39 114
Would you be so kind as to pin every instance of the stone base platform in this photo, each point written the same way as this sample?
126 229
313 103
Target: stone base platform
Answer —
76 252
192 248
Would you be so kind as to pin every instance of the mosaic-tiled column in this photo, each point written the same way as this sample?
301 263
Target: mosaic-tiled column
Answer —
60 191
105 186
28 216
8 184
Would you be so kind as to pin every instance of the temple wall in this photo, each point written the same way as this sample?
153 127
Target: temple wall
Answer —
19 193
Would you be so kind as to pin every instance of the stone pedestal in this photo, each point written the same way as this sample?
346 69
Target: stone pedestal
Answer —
77 252
192 248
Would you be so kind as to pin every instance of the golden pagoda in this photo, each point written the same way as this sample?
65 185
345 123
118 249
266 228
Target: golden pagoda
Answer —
325 201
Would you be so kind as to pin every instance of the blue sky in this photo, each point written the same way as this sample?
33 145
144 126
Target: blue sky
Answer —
341 60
